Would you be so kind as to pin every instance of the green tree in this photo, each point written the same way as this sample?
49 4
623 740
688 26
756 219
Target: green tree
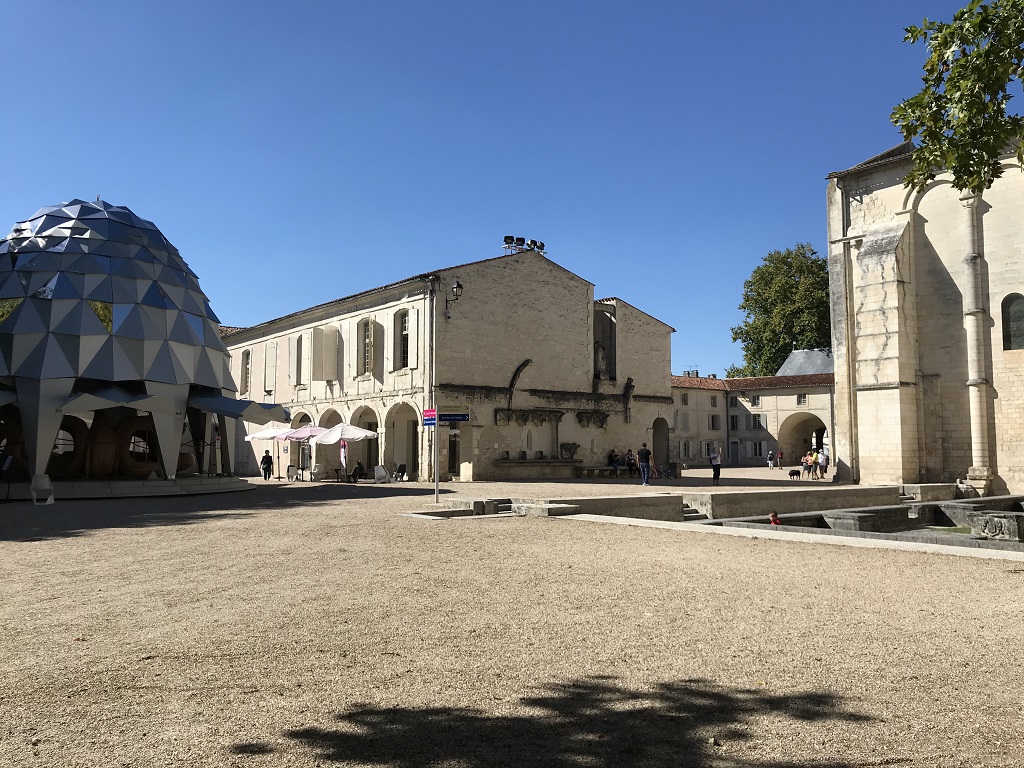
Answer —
959 121
787 307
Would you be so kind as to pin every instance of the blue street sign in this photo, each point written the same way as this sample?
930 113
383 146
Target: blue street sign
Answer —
430 422
453 417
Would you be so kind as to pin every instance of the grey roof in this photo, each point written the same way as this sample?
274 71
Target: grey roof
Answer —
803 362
895 154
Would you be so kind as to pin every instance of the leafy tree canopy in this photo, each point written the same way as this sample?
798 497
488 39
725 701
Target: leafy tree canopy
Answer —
959 121
786 302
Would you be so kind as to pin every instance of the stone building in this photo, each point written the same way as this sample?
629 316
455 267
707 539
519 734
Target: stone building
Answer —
927 292
550 378
748 417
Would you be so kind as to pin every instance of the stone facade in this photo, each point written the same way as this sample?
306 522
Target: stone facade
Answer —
927 388
748 417
551 379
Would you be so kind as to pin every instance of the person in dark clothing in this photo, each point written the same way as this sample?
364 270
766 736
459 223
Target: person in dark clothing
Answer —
644 459
358 473
267 465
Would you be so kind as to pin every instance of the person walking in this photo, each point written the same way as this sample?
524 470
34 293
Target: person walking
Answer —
822 464
771 460
644 459
267 465
778 459
716 466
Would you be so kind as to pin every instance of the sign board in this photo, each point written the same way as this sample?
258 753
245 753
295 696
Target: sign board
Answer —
429 417
453 417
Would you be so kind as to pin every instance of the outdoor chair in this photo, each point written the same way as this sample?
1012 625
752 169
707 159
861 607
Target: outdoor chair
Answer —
317 472
400 473
380 475
292 472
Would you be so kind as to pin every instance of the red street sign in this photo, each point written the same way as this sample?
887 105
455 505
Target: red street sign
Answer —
429 413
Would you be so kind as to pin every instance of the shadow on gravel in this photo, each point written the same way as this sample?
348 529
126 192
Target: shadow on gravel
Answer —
591 722
22 521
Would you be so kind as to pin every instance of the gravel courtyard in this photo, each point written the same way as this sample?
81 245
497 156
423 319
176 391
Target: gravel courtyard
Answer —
316 625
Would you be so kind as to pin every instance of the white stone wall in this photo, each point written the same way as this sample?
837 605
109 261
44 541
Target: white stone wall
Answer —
901 339
512 309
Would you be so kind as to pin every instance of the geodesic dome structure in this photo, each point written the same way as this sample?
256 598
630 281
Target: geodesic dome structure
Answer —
99 312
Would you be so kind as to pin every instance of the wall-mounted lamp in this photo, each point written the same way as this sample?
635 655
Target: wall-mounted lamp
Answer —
456 294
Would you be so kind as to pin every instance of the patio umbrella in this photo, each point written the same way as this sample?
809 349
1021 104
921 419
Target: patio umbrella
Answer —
267 434
300 434
271 434
346 432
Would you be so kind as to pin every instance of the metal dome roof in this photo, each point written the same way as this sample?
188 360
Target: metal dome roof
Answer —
89 289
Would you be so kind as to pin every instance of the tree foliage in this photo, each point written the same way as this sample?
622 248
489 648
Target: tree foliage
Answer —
959 121
786 302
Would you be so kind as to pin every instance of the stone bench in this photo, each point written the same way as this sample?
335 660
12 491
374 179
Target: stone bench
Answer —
605 470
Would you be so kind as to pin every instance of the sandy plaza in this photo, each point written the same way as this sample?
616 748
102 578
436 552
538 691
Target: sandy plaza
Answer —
317 624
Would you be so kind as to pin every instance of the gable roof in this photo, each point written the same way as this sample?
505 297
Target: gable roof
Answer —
422 277
781 382
698 382
892 155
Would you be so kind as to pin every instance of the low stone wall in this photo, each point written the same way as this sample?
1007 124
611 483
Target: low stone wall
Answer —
669 507
931 491
754 503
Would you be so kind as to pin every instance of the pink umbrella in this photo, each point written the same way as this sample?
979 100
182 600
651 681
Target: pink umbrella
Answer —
302 433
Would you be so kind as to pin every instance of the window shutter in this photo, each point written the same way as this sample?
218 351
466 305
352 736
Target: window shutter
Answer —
292 352
270 367
307 345
377 350
352 358
686 422
414 337
750 450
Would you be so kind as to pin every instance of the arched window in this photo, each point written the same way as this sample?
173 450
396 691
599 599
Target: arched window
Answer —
243 378
1013 321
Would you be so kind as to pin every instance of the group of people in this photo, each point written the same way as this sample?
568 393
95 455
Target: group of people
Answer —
642 462
815 464
775 459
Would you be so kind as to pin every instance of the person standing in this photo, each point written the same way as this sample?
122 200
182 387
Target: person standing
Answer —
778 459
771 460
267 465
644 458
716 466
822 464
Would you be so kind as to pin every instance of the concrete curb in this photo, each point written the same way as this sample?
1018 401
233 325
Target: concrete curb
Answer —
807 538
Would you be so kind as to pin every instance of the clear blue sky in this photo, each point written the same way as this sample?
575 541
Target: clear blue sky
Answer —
296 152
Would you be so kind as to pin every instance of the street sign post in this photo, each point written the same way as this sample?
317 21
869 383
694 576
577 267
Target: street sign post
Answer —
429 417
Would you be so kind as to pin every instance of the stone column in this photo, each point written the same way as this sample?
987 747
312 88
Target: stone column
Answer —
980 473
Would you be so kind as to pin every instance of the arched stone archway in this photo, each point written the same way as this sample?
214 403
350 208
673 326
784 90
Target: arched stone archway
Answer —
799 433
328 456
659 441
366 451
402 439
299 452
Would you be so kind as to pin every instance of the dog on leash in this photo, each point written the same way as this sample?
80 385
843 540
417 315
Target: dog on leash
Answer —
794 474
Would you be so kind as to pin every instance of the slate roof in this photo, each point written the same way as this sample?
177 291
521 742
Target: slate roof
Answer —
804 361
895 154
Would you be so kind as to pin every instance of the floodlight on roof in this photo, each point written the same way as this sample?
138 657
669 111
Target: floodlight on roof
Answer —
520 242
540 246
510 239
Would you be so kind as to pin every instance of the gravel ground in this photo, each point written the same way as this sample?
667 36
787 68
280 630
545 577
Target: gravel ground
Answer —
315 625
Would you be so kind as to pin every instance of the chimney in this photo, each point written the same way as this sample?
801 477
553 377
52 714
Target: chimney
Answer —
714 375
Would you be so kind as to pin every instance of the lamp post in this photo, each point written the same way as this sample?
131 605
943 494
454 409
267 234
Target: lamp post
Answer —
456 292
